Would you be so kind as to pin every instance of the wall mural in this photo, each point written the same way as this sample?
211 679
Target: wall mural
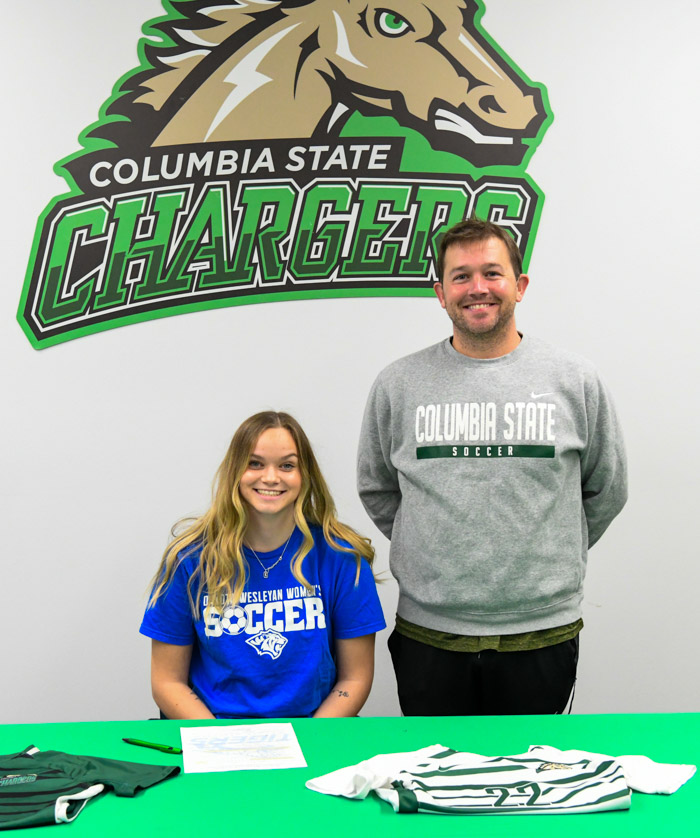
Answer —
283 149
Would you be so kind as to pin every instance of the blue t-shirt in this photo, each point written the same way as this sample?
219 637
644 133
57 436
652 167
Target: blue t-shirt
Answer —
272 654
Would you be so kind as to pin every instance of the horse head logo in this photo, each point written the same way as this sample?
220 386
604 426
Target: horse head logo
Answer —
267 69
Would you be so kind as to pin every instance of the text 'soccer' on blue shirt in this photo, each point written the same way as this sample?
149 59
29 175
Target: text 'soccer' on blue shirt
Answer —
271 654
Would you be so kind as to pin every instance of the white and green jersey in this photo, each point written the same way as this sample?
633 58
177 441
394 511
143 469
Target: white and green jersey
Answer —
440 780
454 782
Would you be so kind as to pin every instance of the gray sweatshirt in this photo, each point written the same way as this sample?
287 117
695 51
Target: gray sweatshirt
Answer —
492 478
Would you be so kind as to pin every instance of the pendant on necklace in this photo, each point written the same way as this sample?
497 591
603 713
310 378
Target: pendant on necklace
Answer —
266 574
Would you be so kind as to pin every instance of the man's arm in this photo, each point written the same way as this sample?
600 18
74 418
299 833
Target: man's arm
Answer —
603 463
377 479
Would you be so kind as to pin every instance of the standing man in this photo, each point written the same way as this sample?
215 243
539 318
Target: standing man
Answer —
492 461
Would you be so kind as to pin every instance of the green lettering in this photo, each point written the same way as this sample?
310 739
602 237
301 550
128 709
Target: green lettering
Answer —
430 199
501 205
371 255
151 250
125 216
266 220
319 240
199 232
63 296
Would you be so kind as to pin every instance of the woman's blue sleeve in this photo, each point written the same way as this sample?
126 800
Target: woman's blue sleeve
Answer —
170 619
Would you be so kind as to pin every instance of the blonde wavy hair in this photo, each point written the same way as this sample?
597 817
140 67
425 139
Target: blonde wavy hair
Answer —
223 569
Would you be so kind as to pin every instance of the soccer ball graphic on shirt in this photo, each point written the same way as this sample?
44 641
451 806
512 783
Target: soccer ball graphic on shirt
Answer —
233 619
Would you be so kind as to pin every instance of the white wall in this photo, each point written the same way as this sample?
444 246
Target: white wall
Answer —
107 440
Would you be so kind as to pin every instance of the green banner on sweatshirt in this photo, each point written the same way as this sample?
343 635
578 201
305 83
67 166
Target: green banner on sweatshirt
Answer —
483 451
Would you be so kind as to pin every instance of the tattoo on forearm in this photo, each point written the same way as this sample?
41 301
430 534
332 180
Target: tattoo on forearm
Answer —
341 693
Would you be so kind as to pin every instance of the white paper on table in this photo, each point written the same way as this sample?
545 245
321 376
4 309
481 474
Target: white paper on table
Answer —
238 747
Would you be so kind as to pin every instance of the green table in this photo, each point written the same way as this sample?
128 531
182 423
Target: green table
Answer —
257 804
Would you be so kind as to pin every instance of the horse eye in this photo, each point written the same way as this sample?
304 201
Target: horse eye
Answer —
391 24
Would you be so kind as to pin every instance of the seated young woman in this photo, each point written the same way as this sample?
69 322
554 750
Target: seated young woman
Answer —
266 605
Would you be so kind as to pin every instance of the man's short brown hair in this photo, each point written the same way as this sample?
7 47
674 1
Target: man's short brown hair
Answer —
477 230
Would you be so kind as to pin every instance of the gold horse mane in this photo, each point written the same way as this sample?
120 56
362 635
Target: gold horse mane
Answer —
194 43
276 69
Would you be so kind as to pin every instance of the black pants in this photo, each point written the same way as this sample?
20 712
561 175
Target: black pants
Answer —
437 682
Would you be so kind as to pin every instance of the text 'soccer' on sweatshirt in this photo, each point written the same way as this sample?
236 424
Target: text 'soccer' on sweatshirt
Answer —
492 478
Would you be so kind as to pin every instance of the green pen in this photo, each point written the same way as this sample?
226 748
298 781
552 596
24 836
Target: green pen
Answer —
166 749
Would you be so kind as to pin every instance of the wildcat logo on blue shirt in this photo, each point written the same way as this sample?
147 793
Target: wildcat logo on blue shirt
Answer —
268 643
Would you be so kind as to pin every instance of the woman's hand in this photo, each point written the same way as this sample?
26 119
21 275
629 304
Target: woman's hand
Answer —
355 662
170 669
